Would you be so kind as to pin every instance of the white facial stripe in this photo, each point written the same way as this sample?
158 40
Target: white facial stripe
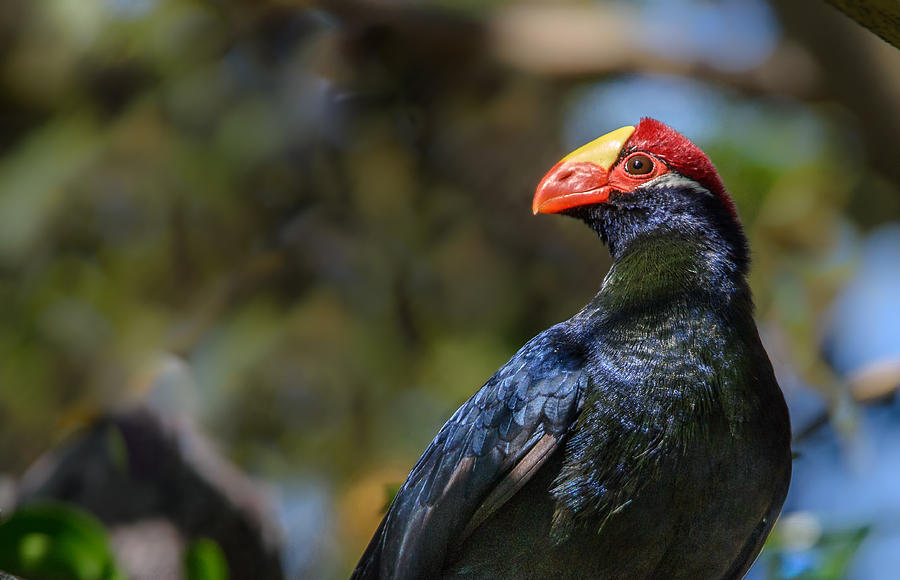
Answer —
677 180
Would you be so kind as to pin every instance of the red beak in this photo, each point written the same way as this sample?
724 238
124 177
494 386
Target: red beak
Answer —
582 177
571 184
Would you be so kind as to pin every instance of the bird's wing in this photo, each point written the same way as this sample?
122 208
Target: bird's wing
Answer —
483 455
757 539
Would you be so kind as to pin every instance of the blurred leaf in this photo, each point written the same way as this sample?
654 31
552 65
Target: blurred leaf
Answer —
390 492
828 559
118 448
32 188
56 542
205 560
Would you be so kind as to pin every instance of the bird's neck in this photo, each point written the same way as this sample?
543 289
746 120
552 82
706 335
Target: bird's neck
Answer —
674 309
692 257
654 268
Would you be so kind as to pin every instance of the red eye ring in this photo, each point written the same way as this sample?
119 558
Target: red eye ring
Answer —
639 164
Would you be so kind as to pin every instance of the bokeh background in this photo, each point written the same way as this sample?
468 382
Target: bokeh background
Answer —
254 253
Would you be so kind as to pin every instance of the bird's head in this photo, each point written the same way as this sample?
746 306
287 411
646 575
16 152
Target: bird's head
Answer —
639 179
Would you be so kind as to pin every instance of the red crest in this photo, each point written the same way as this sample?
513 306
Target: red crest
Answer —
679 154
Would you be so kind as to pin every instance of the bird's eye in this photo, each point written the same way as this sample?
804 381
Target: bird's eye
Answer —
639 164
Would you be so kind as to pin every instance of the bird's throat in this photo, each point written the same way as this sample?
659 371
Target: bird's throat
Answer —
654 267
660 253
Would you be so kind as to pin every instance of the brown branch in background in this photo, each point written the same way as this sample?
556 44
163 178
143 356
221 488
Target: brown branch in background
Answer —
585 42
873 383
880 16
831 61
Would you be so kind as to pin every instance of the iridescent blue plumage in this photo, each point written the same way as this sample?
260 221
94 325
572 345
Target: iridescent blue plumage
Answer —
645 437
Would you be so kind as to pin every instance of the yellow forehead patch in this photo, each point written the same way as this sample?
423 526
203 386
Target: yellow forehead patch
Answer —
602 151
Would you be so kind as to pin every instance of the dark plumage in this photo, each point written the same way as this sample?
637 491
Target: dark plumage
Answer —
645 437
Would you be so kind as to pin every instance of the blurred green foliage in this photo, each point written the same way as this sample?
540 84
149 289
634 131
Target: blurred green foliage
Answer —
60 542
321 210
56 542
204 560
829 558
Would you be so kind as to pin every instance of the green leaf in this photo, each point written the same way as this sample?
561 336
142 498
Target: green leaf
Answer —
56 542
205 560
390 492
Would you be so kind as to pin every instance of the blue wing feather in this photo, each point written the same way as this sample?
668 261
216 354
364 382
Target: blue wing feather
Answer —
467 468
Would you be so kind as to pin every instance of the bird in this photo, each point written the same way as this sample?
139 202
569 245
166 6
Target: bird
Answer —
645 437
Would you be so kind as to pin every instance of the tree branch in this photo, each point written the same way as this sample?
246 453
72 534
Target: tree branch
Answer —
882 17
